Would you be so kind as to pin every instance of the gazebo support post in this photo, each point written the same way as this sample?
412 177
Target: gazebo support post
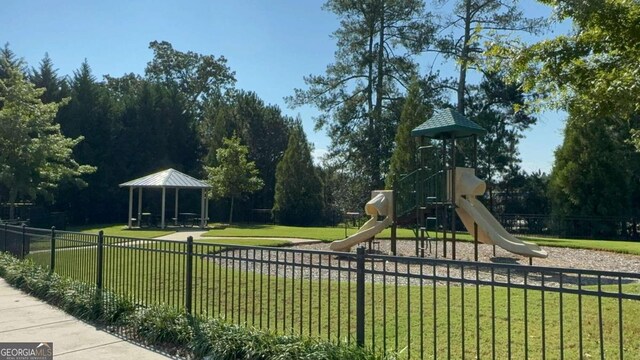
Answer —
130 207
175 219
139 206
202 209
164 200
206 208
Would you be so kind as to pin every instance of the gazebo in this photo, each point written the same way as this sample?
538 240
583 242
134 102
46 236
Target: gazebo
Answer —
167 179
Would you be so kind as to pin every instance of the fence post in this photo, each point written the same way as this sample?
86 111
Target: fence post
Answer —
360 303
99 262
52 260
24 241
189 274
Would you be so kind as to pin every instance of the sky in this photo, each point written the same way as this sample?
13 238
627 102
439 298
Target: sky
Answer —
271 46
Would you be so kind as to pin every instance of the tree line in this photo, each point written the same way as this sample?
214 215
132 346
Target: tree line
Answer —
185 112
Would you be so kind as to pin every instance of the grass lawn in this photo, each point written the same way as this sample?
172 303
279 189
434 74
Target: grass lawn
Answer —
338 233
316 233
121 230
426 317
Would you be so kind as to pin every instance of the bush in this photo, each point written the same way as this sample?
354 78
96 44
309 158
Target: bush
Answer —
166 327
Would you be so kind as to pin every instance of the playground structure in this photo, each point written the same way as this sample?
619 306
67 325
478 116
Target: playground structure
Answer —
430 198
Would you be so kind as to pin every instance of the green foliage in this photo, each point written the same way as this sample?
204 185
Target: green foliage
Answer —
10 62
235 175
591 72
198 78
500 108
405 154
299 190
525 193
474 23
358 95
74 297
35 157
263 128
591 175
46 77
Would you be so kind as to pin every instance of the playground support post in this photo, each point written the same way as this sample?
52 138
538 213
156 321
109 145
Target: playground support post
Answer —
444 199
475 241
394 224
453 196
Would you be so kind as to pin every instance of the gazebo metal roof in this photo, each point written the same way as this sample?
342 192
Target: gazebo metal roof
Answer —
169 178
448 123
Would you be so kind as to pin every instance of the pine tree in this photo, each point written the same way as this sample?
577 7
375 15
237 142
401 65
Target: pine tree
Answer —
46 77
405 155
593 172
376 44
299 191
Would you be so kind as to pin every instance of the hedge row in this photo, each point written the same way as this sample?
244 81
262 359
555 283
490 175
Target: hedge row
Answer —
167 328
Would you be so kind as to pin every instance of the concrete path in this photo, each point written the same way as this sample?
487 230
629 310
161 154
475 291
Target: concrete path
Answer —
24 318
182 235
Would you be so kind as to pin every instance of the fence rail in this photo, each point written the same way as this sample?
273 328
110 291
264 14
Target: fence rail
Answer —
620 228
416 307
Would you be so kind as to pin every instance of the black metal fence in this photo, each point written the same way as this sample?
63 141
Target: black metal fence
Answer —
586 227
416 307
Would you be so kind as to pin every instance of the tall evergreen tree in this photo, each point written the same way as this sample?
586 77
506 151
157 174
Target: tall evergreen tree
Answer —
299 191
46 76
10 62
593 171
376 42
500 108
89 114
405 158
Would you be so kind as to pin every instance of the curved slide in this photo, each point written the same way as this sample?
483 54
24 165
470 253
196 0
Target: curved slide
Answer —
379 205
490 231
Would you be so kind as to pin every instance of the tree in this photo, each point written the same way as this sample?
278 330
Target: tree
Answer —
299 194
263 128
500 108
34 155
235 175
198 78
9 62
89 114
592 73
405 154
376 42
474 22
592 174
46 77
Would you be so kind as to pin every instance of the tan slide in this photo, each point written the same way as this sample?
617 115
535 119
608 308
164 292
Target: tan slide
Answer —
380 205
490 231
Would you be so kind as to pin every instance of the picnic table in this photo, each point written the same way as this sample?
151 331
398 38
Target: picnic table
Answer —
188 219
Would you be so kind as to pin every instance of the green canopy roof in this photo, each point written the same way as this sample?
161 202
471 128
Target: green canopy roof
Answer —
447 123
